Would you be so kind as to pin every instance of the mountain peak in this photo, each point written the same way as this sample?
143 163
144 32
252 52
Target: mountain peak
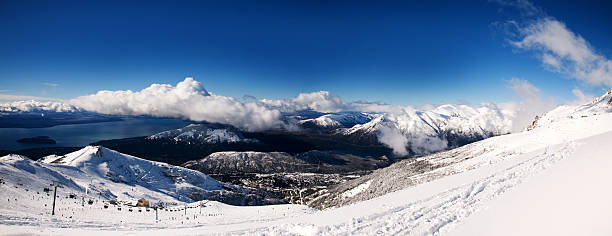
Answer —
86 154
97 151
94 151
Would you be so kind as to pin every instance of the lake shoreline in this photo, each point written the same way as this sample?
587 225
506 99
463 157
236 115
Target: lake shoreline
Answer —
79 135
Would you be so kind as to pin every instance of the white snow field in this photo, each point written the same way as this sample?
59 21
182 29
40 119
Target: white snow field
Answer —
552 180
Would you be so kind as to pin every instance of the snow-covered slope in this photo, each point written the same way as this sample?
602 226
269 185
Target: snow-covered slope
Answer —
572 198
203 133
112 175
598 106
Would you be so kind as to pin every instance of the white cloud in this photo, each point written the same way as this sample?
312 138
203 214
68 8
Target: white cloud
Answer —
532 103
525 7
374 107
550 60
188 100
581 98
37 106
51 84
422 144
561 50
322 101
394 139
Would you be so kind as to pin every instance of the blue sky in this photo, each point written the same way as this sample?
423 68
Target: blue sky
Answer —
404 53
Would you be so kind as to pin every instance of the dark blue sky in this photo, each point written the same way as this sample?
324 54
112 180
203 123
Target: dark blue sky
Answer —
397 52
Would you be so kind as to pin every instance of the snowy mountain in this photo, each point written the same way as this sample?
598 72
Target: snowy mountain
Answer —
338 120
203 133
247 162
108 174
232 163
423 132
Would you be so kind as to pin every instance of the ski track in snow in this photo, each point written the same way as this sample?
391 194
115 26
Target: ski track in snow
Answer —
439 213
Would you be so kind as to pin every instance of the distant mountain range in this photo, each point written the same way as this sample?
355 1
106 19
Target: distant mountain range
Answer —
360 133
35 114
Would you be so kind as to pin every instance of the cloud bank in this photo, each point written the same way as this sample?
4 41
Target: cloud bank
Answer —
187 100
37 106
321 101
326 102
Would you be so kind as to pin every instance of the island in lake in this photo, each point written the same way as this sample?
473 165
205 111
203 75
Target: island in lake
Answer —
37 140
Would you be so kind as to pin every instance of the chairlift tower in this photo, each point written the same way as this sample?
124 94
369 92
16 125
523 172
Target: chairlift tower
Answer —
55 184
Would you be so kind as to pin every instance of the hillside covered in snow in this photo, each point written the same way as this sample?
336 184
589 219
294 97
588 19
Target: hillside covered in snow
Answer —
110 175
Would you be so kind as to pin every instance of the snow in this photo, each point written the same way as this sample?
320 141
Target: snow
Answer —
439 206
248 162
573 198
551 180
201 133
460 118
428 131
109 175
358 189
598 106
336 120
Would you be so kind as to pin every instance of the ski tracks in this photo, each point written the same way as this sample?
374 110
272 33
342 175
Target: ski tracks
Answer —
439 213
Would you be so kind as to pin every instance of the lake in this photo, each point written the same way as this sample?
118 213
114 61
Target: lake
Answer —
77 135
